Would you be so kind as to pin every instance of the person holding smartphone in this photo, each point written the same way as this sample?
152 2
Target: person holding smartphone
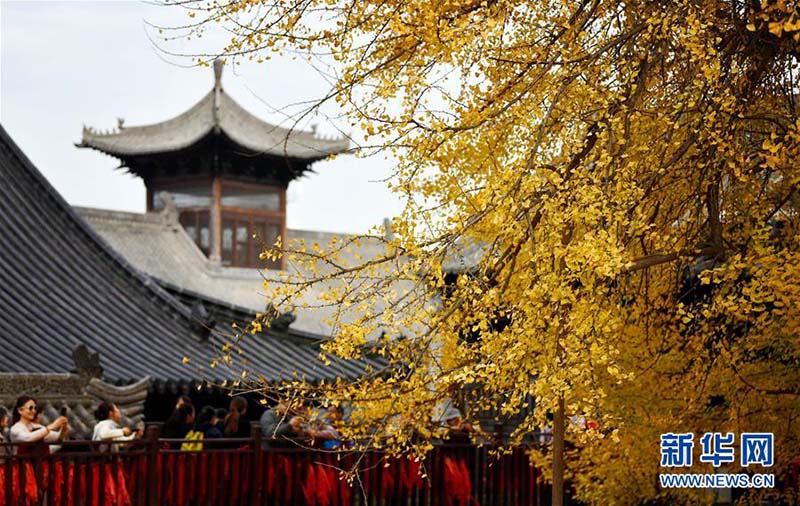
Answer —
24 428
108 428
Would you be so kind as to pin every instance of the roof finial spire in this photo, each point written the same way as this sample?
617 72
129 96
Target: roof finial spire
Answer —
218 64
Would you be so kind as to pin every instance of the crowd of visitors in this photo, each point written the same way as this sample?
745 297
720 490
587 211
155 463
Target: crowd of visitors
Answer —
285 424
186 430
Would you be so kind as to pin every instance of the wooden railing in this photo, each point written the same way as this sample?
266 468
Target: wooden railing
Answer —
253 471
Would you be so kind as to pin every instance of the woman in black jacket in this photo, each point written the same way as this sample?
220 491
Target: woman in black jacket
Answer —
178 424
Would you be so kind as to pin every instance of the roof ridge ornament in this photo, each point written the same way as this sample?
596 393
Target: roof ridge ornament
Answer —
219 64
388 232
169 214
86 363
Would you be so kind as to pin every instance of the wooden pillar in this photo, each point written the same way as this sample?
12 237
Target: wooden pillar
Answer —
255 468
283 231
559 428
152 477
216 220
560 417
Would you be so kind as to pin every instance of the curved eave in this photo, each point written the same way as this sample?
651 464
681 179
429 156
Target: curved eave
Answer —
252 133
213 116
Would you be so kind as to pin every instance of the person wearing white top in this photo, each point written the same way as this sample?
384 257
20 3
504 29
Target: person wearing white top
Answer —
108 429
26 430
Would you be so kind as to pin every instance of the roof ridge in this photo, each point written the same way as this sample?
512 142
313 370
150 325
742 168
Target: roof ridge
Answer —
153 218
328 234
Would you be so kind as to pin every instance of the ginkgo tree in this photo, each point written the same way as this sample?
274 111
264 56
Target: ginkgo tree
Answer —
601 216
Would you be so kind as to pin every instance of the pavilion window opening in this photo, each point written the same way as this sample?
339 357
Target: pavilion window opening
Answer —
252 215
251 196
243 237
190 197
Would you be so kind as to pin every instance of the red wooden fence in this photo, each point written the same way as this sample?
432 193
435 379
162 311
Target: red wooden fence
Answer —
239 472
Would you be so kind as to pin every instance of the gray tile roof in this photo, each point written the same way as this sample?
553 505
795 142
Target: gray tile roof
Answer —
61 285
159 246
215 113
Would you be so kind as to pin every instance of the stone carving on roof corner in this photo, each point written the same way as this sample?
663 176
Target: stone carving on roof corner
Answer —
87 364
170 214
281 322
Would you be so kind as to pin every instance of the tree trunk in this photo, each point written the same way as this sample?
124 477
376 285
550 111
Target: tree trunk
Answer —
559 427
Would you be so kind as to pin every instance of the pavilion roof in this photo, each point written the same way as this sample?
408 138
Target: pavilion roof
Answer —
215 114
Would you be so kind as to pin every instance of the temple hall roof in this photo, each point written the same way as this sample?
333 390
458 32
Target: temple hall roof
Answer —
62 285
216 113
157 244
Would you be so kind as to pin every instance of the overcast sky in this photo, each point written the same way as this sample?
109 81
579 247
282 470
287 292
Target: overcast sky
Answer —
66 64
